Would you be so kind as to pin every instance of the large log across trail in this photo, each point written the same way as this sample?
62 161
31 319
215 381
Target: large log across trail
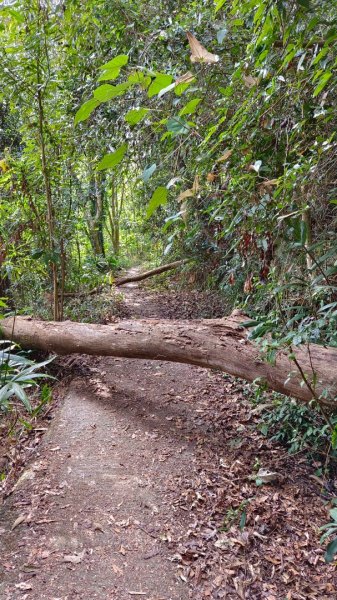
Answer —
215 343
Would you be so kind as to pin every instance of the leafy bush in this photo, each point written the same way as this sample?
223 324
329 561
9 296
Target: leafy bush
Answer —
17 373
296 426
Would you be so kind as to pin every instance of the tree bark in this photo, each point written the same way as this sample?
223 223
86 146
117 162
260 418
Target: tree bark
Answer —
218 344
146 274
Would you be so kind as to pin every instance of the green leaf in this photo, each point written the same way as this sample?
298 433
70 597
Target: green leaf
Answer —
160 82
147 173
112 160
304 3
333 514
138 77
135 115
110 74
106 91
331 551
118 61
177 125
86 109
219 4
322 83
221 34
159 198
190 107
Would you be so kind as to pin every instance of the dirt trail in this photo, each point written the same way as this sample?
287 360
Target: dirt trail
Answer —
95 505
144 488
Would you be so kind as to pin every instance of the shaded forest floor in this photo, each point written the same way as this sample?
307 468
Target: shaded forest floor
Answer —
144 486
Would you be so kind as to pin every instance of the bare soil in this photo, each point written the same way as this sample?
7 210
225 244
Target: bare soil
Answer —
143 487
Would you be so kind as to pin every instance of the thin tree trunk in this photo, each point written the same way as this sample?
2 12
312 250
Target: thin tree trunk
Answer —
50 212
218 344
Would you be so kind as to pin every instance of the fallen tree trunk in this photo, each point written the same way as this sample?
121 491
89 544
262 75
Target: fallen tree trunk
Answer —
217 343
130 279
146 274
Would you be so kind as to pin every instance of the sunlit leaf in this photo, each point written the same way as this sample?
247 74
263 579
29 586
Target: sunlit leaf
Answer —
86 109
159 198
118 61
322 83
110 74
135 115
190 107
112 160
106 91
160 82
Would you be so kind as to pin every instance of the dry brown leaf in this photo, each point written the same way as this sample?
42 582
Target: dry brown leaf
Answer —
199 53
225 155
250 81
211 177
196 185
18 521
269 182
186 78
117 570
75 559
186 194
24 586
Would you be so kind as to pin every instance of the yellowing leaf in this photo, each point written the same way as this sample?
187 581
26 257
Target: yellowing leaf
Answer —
199 53
4 166
269 182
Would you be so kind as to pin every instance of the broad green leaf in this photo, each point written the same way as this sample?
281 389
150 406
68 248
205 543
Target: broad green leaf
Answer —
177 125
118 61
112 160
86 109
190 107
159 83
159 198
110 74
148 172
181 87
135 115
322 83
304 3
331 551
106 91
333 514
139 78
219 4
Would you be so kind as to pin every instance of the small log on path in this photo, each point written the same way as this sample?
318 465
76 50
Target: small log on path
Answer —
129 279
146 274
212 343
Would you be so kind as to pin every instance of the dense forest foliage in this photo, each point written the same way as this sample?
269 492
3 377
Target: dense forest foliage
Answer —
139 132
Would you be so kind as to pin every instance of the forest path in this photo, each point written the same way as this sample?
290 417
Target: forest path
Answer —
144 487
95 505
